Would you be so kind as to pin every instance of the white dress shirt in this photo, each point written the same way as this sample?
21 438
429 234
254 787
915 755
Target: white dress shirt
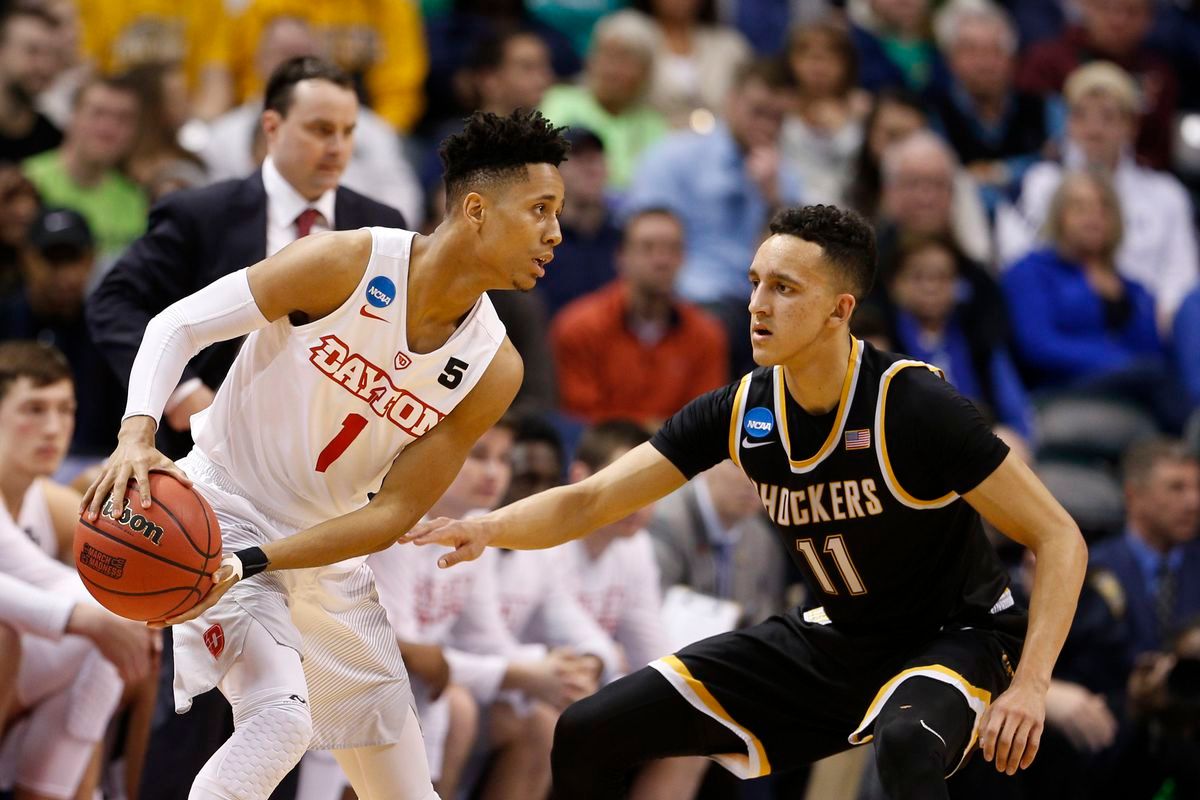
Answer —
284 204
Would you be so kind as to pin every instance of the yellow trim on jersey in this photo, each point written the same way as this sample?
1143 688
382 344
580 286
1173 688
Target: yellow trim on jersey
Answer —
978 699
735 417
835 433
754 763
885 464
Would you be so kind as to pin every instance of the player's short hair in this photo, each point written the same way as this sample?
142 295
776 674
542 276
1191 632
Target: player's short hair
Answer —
43 364
1142 457
493 149
845 238
604 441
281 86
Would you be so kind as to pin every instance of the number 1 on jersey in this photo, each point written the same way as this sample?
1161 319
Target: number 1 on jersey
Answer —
352 426
835 546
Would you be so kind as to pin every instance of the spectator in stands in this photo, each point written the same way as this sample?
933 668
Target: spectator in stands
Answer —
632 349
823 132
997 131
894 116
1186 345
379 43
28 65
712 537
696 62
196 237
1074 317
457 35
1157 560
894 45
610 98
538 459
925 192
726 204
377 167
576 19
19 205
83 173
1115 31
163 100
586 259
1159 245
929 324
48 308
118 36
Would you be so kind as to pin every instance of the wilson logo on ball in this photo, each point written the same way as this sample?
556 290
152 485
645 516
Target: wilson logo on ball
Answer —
135 522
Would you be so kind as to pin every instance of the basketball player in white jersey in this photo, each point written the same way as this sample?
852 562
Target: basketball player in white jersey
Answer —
372 361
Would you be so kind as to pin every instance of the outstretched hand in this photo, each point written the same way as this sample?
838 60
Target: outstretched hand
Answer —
467 537
1012 728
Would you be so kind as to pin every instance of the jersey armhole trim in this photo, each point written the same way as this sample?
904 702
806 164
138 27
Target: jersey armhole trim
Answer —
754 763
885 464
978 700
849 384
736 415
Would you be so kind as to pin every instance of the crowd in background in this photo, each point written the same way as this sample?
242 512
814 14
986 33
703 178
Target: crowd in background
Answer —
1030 167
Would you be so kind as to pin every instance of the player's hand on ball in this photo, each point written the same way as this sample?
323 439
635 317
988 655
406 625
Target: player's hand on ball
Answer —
135 457
1012 727
125 644
467 537
223 580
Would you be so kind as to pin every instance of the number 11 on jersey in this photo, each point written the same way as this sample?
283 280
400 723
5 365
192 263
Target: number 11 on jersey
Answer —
352 426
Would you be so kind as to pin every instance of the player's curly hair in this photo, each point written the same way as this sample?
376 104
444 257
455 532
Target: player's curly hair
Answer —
492 149
848 241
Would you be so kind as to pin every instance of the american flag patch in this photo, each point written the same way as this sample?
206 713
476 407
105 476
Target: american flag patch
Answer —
859 439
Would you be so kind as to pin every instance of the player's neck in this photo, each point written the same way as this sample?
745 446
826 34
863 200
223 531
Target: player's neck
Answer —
814 379
440 290
14 483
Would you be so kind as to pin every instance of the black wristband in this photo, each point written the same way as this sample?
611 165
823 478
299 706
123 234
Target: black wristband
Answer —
254 561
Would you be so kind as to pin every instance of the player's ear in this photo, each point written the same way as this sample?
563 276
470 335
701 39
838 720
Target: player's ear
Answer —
474 207
842 310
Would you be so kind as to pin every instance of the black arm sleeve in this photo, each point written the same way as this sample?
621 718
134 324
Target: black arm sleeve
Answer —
155 271
937 441
697 437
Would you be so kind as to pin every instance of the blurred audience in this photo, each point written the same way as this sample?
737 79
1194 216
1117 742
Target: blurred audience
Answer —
632 349
163 104
1115 31
726 205
1186 345
894 45
84 172
929 324
576 19
610 98
696 62
118 35
19 205
48 308
1159 245
586 259
28 65
379 43
997 131
895 115
377 168
712 537
823 131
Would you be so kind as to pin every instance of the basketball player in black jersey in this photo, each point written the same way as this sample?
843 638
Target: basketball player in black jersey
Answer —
875 472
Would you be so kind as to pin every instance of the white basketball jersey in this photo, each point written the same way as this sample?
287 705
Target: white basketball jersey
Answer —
311 417
34 518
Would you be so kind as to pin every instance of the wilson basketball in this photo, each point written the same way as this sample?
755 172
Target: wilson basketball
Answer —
152 563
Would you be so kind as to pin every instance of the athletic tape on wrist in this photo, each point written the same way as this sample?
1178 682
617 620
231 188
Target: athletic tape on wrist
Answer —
252 561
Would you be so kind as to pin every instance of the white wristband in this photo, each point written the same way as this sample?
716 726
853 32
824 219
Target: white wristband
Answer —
232 560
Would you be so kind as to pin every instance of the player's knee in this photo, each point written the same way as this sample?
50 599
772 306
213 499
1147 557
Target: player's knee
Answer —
573 737
286 722
908 751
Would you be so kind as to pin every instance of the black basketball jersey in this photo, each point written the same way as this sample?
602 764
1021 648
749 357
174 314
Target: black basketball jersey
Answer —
866 497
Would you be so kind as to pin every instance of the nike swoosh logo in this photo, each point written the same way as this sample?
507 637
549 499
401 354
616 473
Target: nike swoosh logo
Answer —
746 443
363 311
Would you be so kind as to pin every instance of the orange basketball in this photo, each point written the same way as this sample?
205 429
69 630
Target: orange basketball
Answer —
152 563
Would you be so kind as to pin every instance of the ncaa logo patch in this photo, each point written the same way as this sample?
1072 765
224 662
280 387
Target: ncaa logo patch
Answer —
759 422
381 291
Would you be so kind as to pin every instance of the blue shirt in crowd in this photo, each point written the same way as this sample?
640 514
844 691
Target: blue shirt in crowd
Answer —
1059 322
1187 345
703 179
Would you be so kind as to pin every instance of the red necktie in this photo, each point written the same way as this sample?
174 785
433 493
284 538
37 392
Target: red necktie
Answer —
304 223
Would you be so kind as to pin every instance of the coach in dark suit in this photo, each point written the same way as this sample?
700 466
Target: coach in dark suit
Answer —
196 236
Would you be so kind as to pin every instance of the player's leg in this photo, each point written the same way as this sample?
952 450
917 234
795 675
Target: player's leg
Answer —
460 739
520 766
396 771
10 665
272 725
602 739
670 779
920 737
